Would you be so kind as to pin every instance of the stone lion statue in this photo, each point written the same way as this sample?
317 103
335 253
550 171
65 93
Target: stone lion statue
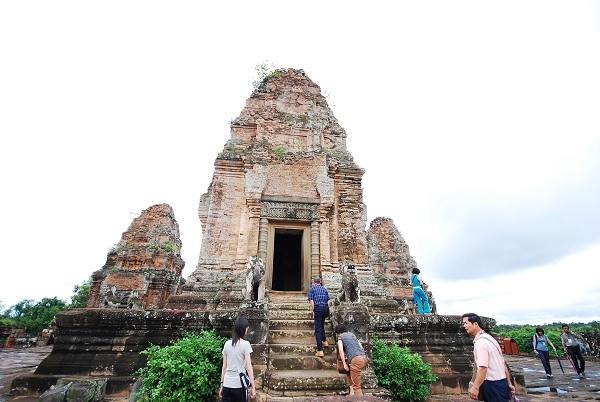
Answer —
255 279
350 290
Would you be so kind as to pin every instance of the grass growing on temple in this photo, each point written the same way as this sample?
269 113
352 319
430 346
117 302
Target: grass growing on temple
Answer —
187 370
401 372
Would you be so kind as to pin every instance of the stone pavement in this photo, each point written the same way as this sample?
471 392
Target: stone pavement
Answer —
15 362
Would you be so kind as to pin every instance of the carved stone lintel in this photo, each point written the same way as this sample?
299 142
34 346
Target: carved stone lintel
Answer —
289 210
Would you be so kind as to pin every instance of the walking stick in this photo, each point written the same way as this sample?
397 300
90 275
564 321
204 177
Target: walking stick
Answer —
571 361
559 363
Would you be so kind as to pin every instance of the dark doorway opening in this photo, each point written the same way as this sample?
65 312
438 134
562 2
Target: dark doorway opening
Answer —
287 260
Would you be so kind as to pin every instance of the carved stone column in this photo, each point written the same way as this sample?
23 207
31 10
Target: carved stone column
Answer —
314 248
262 238
249 224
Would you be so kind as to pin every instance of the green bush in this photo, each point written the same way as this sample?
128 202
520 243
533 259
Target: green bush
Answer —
405 375
187 370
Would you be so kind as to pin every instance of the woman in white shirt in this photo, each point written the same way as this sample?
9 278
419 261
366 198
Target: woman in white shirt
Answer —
236 360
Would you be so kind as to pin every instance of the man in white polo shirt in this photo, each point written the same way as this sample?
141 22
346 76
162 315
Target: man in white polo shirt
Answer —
492 372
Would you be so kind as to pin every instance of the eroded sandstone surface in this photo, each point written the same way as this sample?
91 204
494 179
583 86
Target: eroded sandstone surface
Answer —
144 268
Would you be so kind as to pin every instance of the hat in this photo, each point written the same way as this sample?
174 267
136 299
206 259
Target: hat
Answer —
317 279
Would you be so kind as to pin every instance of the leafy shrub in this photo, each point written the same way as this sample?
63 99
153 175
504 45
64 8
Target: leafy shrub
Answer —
187 370
264 72
405 375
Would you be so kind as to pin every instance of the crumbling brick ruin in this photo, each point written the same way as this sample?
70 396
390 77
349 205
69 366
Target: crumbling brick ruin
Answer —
144 268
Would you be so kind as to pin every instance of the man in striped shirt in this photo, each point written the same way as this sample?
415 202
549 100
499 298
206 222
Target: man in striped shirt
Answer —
318 296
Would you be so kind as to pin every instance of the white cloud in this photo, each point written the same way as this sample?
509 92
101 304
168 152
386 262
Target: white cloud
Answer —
559 292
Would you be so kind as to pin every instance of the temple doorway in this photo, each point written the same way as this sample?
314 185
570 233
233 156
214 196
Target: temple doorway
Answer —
288 257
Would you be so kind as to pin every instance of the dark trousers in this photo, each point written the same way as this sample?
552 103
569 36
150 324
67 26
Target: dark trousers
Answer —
496 391
234 395
321 312
545 358
576 354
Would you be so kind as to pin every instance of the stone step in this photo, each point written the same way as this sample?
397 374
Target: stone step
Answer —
290 305
302 362
286 340
311 382
339 396
290 314
291 324
306 349
299 337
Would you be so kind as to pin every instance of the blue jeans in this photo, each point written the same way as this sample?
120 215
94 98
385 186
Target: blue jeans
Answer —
321 312
545 358
421 300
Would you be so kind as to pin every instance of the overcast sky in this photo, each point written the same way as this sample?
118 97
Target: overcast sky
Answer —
477 124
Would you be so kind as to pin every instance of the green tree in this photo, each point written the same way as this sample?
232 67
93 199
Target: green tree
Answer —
36 316
187 370
81 294
401 372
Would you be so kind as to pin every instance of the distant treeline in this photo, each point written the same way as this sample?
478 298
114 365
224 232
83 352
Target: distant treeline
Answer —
36 316
523 335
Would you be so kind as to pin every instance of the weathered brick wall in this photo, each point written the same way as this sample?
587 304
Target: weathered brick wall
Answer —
296 179
351 222
225 200
144 268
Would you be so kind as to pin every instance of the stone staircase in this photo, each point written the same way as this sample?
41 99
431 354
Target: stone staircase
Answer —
293 371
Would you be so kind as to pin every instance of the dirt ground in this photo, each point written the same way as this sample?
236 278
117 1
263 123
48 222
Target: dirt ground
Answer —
15 362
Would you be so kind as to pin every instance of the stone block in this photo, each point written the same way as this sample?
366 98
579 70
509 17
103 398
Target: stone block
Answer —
56 394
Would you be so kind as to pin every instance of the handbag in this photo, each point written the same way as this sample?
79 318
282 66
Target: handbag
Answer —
245 380
340 365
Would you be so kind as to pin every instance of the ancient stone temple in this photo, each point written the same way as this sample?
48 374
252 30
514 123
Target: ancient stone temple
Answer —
285 205
289 187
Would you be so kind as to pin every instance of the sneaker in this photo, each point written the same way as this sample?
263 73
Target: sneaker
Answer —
581 375
325 343
549 375
320 353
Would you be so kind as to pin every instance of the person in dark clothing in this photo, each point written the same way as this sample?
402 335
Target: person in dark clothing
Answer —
570 342
319 300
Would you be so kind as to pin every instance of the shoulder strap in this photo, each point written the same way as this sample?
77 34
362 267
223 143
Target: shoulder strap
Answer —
492 341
